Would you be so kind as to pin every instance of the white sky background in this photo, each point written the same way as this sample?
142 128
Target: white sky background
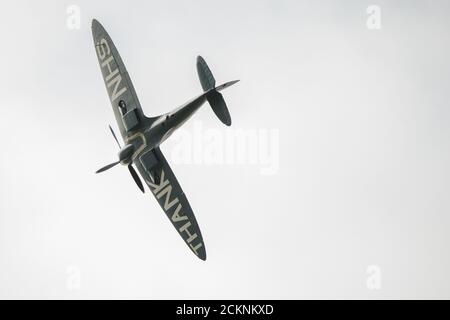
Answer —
363 119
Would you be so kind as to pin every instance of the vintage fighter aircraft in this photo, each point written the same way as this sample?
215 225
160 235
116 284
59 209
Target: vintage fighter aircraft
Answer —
142 135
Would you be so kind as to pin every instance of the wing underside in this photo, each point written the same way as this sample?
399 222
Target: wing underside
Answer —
158 175
126 106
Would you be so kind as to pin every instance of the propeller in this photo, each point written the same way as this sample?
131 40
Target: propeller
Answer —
114 135
130 167
136 178
109 166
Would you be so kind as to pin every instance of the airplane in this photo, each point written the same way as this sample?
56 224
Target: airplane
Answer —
143 135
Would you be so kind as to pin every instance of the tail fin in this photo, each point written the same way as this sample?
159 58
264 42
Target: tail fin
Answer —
213 96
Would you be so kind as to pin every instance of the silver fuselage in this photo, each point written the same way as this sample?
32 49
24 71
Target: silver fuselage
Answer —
156 131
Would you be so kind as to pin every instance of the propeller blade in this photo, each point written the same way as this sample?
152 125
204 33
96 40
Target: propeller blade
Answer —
114 135
109 166
136 178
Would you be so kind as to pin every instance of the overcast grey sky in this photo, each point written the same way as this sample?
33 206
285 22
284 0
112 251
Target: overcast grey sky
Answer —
357 206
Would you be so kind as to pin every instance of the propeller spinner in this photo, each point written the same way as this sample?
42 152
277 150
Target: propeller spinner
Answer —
125 158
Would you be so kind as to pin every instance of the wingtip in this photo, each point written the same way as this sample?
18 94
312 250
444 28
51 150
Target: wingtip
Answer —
201 61
95 24
201 254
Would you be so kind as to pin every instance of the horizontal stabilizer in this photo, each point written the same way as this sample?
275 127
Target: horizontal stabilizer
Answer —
219 107
205 75
213 95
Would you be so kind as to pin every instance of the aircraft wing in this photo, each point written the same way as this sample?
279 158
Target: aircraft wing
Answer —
158 175
126 106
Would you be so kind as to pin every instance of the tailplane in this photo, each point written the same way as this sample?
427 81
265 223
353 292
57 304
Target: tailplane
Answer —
213 95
